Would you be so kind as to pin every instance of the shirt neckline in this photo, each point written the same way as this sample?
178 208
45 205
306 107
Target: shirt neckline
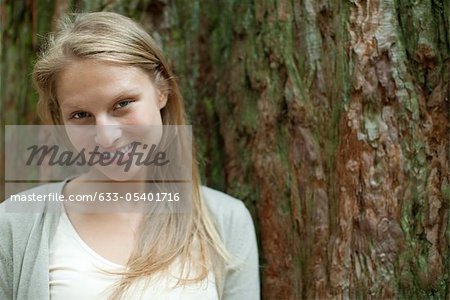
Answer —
74 232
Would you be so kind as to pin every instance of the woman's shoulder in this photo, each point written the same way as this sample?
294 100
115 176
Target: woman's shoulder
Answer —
224 206
230 214
23 209
218 199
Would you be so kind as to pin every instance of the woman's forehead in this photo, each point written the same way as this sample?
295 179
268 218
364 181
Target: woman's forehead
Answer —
87 79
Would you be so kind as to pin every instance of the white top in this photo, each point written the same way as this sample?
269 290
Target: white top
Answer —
26 238
73 264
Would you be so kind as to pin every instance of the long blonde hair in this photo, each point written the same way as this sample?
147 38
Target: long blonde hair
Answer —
110 37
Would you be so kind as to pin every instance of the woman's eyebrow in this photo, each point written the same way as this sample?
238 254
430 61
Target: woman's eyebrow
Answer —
69 105
116 97
126 93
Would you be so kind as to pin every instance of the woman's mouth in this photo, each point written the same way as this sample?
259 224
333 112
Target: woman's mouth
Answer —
114 155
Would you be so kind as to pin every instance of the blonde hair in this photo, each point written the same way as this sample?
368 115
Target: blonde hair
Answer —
110 37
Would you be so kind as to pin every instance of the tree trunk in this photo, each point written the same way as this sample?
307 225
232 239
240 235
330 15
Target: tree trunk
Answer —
330 119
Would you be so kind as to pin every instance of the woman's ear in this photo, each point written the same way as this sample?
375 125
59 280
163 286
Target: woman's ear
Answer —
162 99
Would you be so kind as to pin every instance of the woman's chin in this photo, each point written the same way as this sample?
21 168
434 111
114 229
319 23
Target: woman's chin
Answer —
118 173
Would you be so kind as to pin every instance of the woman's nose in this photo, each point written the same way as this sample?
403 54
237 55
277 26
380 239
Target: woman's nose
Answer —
107 133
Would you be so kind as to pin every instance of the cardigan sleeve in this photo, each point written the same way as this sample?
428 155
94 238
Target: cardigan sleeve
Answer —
5 278
242 279
6 265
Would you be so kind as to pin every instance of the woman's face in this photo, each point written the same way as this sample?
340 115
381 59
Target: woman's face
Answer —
120 104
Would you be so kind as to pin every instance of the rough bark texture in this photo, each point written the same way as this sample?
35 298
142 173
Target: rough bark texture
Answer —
330 119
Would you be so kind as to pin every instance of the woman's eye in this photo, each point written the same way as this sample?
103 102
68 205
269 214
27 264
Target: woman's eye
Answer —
80 115
122 104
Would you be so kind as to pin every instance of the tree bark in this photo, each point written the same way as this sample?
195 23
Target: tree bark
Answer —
329 119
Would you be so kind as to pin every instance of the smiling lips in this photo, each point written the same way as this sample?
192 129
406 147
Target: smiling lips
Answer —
122 149
113 152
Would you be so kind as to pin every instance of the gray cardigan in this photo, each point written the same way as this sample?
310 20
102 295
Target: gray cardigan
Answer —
25 239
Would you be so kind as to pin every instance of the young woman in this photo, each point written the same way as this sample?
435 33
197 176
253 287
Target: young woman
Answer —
103 71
